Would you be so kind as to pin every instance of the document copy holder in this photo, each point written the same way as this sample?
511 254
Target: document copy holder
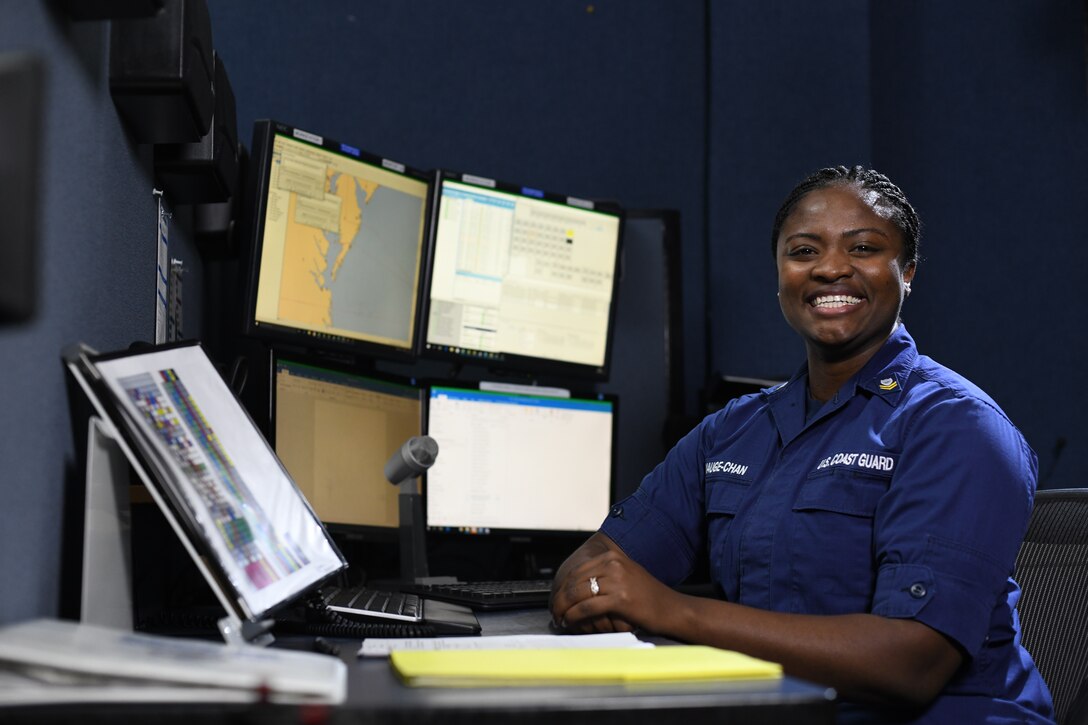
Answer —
116 442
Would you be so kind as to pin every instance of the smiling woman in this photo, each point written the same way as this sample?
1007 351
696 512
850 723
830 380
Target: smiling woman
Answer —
844 268
860 520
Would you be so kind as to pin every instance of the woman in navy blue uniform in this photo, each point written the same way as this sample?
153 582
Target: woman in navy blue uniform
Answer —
861 520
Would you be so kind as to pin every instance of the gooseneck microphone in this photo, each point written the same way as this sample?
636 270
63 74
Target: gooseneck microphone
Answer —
410 460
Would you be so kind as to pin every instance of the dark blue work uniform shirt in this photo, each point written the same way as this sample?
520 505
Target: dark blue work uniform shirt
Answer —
906 496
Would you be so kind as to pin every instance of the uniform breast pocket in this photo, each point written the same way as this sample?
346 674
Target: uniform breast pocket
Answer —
724 496
832 540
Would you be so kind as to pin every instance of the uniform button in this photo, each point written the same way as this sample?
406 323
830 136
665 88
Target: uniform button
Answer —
617 512
917 590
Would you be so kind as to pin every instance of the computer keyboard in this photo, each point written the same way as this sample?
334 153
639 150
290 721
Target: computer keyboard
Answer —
396 613
401 606
511 594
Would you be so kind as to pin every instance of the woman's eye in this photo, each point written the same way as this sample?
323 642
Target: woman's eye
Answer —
800 251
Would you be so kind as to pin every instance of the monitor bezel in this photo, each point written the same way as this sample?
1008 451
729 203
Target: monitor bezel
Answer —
533 368
518 535
258 177
368 532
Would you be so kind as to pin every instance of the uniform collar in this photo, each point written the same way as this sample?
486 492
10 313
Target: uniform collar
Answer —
887 372
884 377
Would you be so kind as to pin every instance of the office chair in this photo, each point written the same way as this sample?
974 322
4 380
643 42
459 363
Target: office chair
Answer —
1052 570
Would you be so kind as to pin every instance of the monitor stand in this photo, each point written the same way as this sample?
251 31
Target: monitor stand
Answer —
106 593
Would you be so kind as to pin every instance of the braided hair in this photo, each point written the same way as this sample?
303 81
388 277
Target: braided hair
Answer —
903 215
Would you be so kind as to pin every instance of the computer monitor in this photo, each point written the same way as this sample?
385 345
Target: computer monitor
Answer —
518 463
521 279
334 430
339 243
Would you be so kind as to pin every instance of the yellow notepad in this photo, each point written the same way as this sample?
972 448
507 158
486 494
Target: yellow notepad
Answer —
489 668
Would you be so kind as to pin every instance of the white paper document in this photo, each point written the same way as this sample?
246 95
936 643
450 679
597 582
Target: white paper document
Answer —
377 647
47 661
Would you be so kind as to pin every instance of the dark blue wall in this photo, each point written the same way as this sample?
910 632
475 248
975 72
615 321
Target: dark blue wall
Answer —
789 93
978 109
96 262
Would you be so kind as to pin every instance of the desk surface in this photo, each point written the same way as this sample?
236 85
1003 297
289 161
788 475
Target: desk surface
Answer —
373 687
375 695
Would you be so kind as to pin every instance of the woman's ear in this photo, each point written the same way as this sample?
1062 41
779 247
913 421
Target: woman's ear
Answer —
908 272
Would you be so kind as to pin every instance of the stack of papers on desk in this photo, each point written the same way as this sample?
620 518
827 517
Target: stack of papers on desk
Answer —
520 667
382 647
53 661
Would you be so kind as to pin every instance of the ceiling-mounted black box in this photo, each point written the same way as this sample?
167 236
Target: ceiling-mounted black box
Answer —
161 73
205 171
22 105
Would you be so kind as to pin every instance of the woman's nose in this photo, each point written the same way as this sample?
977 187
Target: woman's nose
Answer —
833 264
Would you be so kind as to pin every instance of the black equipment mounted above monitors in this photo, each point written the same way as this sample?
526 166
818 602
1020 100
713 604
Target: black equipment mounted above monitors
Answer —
339 244
521 279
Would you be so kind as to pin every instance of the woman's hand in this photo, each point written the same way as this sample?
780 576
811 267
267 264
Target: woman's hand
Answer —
625 595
